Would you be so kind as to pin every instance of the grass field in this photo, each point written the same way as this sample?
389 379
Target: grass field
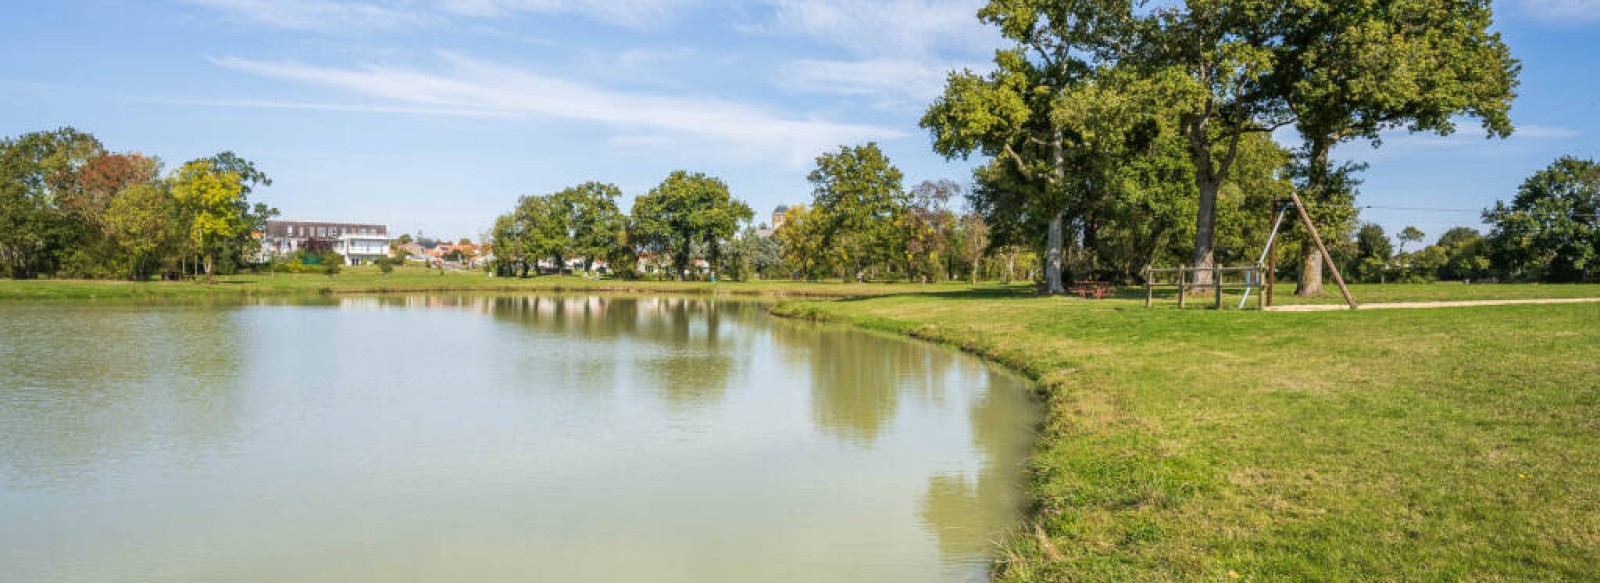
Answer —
1443 444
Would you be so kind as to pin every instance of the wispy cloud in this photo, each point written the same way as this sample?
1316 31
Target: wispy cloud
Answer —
630 13
901 49
1562 11
316 14
1468 142
333 15
889 82
467 86
1538 132
886 27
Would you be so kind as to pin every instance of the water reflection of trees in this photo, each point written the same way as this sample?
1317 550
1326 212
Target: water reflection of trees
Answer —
858 383
968 513
86 386
858 379
688 347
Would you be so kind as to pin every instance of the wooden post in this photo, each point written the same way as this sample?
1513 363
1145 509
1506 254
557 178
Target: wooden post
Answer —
1149 290
1317 238
1183 286
1261 295
1272 271
1216 280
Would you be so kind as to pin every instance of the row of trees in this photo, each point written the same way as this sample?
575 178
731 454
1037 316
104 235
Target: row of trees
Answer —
861 223
1550 231
1117 134
69 207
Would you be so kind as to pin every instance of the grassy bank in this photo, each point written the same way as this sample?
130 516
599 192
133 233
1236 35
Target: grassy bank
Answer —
1441 444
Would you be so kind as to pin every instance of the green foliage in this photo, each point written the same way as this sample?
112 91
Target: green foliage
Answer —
801 237
592 220
308 260
752 255
537 230
38 178
684 211
860 206
211 197
144 221
1551 230
931 231
1463 248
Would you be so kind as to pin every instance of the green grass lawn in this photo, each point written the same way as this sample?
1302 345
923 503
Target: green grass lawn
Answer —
1371 293
1443 444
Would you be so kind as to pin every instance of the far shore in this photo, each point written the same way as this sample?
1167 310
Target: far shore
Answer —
412 280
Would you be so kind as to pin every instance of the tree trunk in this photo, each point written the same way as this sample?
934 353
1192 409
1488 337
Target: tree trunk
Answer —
1310 283
1205 231
1311 263
1052 263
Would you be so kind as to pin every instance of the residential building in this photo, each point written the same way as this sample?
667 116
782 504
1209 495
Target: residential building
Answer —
358 242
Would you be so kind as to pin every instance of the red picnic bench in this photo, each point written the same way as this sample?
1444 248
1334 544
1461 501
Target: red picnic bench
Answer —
1084 289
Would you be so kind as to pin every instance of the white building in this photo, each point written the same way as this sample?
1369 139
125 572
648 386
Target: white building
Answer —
358 242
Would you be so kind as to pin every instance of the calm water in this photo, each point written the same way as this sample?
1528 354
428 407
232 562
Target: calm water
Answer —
493 438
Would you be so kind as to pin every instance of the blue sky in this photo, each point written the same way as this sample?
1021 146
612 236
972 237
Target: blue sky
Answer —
437 114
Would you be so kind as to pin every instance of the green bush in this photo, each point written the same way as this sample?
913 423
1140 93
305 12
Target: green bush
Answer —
302 261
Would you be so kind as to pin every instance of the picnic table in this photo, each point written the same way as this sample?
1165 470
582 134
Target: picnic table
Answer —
1085 289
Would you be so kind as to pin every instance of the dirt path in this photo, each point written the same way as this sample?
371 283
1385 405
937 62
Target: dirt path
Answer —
1418 305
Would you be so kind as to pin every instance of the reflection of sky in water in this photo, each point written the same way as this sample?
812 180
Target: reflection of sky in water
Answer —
555 438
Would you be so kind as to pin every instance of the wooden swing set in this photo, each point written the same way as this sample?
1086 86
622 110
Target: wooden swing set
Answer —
1259 277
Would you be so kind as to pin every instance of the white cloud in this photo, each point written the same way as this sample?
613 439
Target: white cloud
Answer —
890 82
1563 11
1470 135
911 28
332 15
631 13
316 14
902 49
479 88
1545 132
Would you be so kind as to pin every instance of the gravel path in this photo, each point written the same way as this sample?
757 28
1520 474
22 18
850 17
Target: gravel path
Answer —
1418 305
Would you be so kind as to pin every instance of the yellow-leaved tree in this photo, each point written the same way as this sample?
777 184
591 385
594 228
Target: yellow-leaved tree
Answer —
210 198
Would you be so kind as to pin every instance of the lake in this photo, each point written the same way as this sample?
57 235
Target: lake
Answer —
493 438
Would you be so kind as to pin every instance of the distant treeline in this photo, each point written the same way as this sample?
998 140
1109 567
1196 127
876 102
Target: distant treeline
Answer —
862 224
70 208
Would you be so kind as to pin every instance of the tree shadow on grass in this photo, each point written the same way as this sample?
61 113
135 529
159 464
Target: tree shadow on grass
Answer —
1014 292
977 293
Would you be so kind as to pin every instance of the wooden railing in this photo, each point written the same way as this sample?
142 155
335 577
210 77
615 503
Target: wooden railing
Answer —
1217 278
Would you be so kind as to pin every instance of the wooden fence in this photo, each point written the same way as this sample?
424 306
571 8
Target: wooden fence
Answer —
1187 279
